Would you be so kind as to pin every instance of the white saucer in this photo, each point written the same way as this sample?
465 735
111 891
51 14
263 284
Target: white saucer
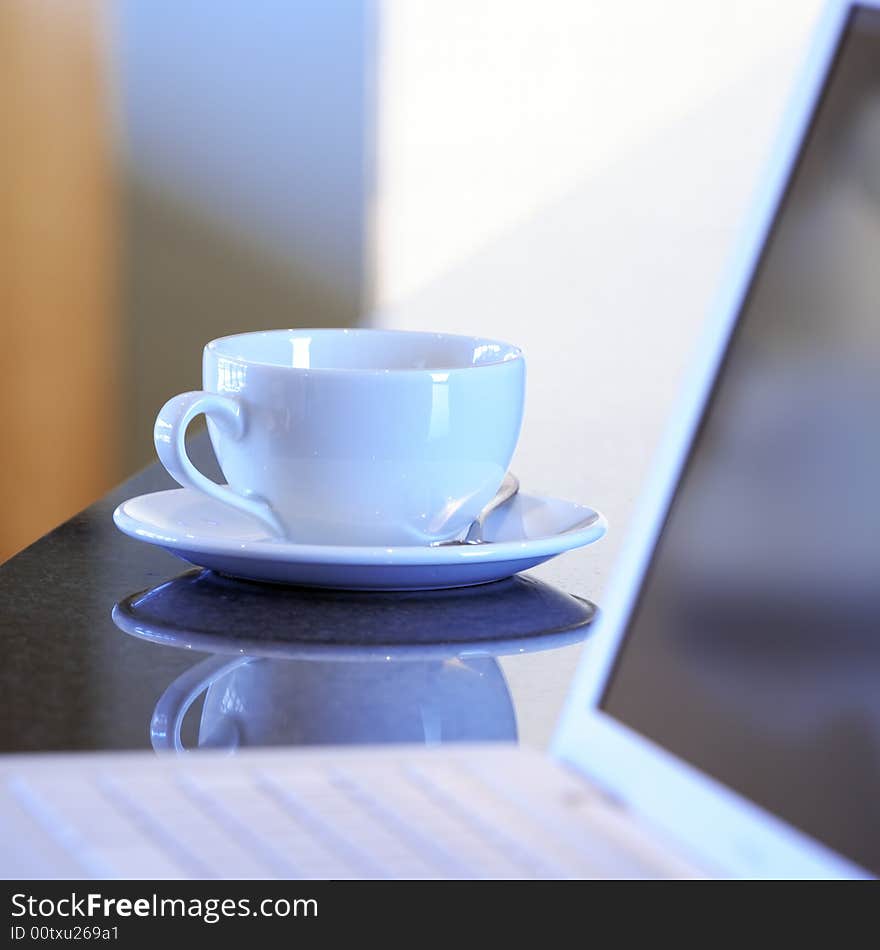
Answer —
527 531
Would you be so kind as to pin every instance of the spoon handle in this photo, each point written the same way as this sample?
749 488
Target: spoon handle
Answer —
509 487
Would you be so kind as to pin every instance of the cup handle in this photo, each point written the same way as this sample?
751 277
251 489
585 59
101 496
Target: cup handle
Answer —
169 435
174 703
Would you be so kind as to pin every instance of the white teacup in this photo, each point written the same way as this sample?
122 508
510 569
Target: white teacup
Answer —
353 437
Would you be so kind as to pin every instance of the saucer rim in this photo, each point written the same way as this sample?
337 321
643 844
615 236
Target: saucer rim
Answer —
270 549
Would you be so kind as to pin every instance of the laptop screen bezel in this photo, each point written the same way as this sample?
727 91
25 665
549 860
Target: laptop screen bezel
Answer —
722 830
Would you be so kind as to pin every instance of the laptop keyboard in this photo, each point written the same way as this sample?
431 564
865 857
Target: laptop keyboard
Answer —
428 817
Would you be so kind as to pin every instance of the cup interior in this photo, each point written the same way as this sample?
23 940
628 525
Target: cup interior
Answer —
364 350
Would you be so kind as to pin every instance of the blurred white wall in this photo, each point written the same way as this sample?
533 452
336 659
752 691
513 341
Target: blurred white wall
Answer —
490 110
570 176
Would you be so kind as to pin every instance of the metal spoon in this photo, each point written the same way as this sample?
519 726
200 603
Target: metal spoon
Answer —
509 487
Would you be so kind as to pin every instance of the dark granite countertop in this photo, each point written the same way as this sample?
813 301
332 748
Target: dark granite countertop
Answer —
115 644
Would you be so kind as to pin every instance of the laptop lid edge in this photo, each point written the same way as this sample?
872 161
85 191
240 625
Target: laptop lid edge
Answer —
730 833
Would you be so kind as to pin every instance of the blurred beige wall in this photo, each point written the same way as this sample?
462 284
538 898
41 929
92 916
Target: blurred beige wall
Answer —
59 358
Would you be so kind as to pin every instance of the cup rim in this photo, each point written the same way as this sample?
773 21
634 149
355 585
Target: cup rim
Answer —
512 353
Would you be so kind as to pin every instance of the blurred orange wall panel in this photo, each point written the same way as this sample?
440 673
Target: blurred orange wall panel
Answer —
59 356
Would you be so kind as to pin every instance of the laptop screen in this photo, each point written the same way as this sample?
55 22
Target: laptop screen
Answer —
753 651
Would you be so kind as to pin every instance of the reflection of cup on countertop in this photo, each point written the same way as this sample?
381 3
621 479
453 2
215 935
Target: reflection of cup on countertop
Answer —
266 702
353 437
301 666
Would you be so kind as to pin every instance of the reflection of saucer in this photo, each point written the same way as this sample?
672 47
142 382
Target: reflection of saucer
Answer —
289 662
527 531
203 611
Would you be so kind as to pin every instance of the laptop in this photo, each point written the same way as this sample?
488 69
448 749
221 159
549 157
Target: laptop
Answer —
725 718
